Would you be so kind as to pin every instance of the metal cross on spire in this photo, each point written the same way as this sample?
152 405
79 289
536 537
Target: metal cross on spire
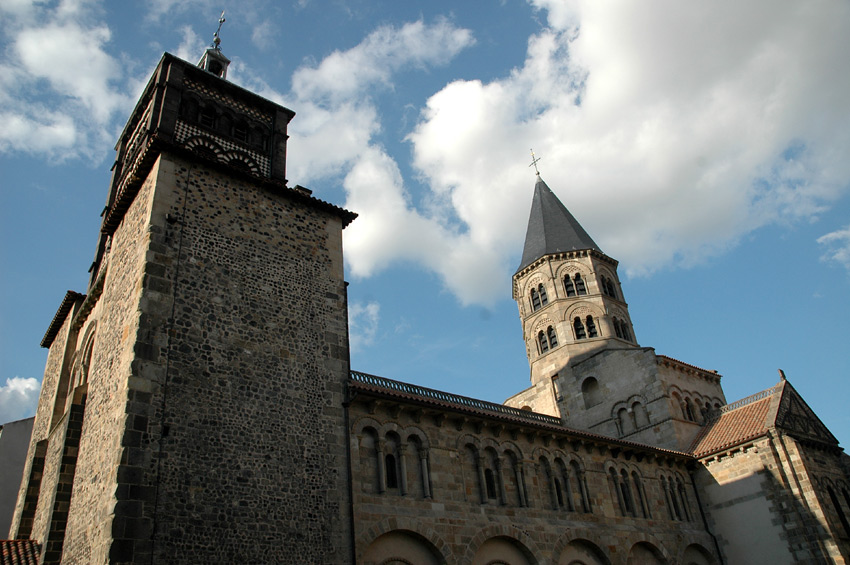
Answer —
216 36
534 161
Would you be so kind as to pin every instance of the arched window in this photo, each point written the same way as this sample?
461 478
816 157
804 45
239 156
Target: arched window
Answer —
569 287
547 340
591 327
559 493
671 493
240 131
581 486
640 495
544 300
609 286
579 282
628 501
621 328
627 334
640 415
189 109
683 496
535 300
490 481
689 410
207 117
390 465
542 342
579 328
553 338
590 391
626 420
565 496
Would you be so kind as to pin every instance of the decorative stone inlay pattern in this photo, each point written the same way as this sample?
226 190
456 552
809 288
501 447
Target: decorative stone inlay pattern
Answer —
228 101
185 132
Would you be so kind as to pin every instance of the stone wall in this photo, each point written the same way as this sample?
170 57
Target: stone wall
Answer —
467 486
234 439
30 489
761 504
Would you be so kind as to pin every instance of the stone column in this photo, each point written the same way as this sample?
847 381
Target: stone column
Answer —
382 469
520 484
482 482
426 474
503 495
402 460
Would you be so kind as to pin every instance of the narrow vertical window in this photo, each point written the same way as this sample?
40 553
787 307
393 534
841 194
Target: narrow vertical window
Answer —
639 495
535 300
569 287
553 338
617 329
207 117
627 335
579 328
615 484
610 286
392 472
684 498
544 300
579 282
541 340
556 387
837 504
240 132
627 493
591 327
491 483
559 493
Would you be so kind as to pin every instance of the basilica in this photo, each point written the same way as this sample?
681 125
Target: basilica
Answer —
198 403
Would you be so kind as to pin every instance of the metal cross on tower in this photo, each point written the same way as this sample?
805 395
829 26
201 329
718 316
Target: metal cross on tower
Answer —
216 37
534 161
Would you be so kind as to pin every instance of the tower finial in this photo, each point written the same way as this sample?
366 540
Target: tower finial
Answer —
216 37
534 162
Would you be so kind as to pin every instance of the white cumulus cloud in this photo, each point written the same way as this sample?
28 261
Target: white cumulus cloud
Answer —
669 129
838 246
50 107
18 399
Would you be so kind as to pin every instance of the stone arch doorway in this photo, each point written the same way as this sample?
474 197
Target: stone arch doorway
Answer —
644 553
503 550
402 546
583 552
697 555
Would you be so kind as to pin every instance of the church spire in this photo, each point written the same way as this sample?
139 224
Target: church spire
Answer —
213 60
551 228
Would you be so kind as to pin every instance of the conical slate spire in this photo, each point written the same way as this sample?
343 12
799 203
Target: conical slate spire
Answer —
551 228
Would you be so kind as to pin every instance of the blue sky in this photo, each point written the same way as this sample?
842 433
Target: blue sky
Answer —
704 146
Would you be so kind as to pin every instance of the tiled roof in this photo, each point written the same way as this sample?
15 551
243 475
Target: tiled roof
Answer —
59 317
406 392
733 427
19 552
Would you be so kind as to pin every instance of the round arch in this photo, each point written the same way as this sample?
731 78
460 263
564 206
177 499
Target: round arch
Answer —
494 543
391 537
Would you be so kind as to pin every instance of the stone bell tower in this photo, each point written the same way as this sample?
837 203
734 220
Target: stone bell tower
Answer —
192 405
570 301
586 365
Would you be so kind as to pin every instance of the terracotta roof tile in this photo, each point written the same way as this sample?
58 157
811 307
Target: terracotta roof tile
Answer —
733 427
19 552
